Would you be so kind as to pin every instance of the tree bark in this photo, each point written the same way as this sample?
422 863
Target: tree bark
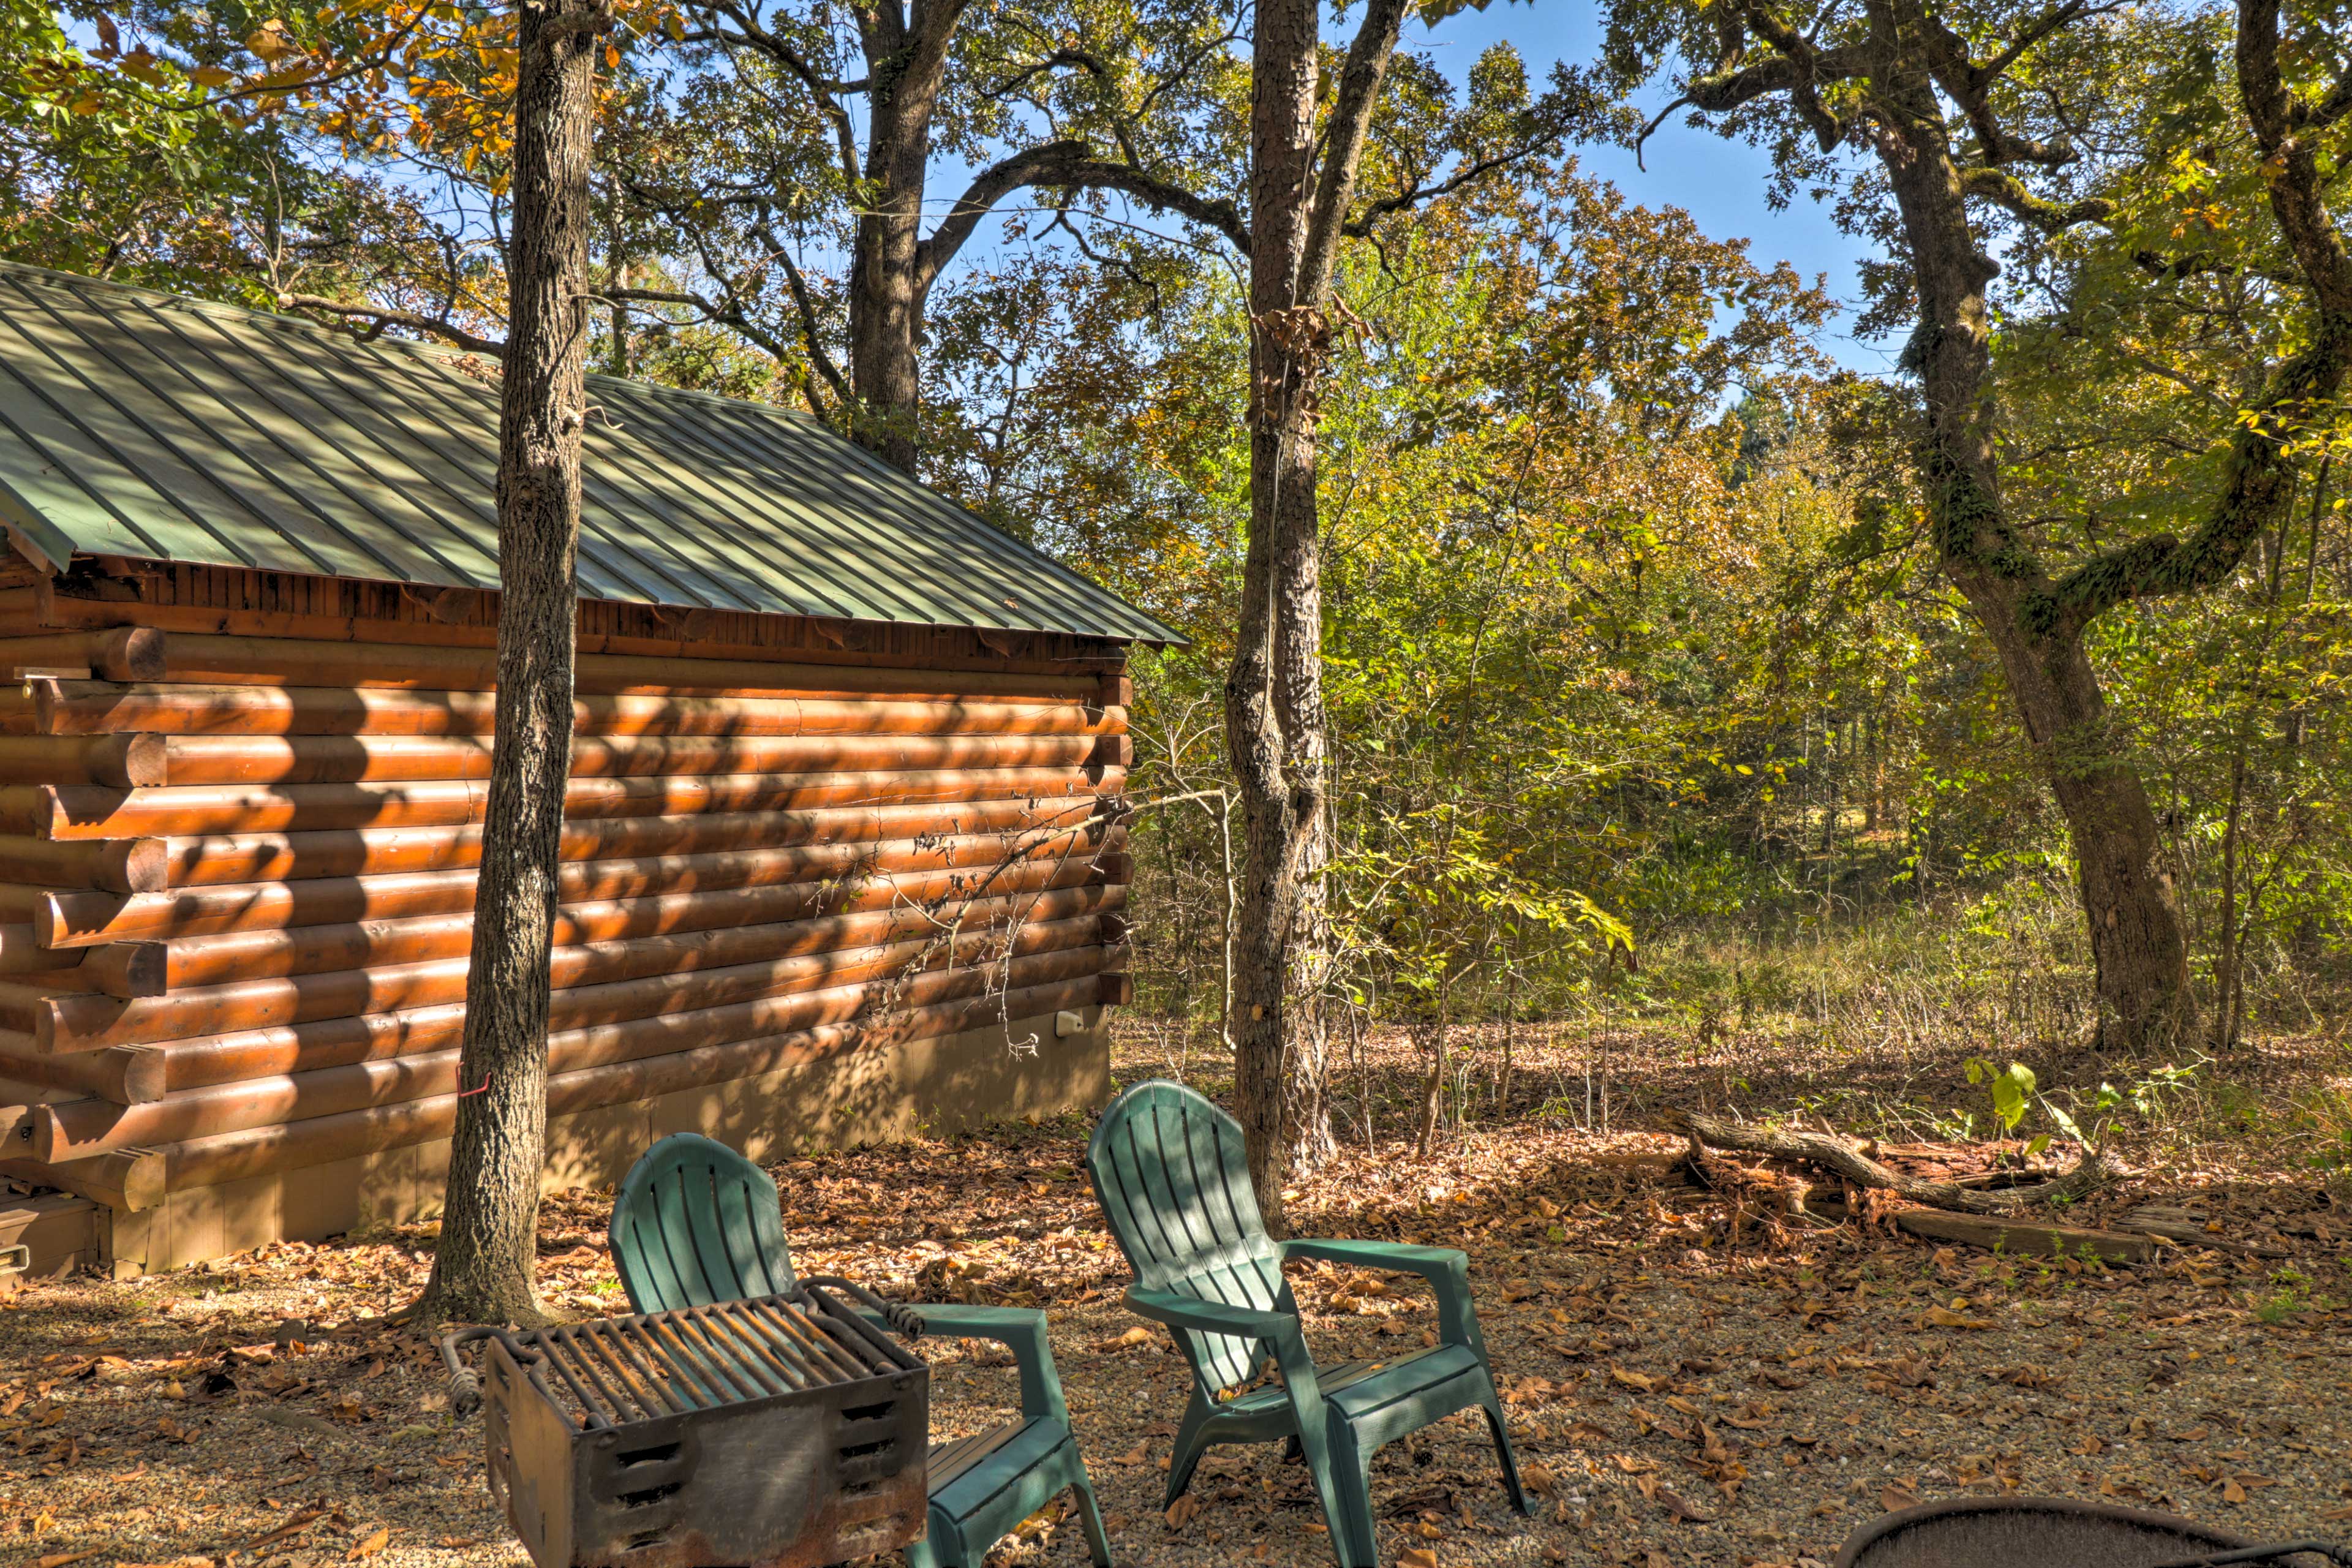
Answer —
484 1264
1274 722
906 58
2140 954
1280 619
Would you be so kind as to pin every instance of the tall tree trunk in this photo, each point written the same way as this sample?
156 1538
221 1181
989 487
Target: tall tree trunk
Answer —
2141 956
1280 624
1274 693
484 1264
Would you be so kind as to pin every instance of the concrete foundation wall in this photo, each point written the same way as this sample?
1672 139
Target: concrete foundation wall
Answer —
920 1088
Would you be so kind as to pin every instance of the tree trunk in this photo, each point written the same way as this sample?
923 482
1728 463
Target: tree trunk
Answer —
907 62
1280 622
1273 693
2142 959
484 1263
1433 1087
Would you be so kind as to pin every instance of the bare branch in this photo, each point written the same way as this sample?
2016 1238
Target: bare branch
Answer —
1066 166
1084 60
1343 143
1468 173
367 322
826 92
2003 188
805 308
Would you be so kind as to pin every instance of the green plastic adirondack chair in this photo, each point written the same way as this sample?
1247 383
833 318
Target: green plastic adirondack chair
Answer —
1170 1171
696 1222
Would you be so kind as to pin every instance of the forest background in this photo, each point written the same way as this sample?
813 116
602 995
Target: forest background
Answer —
1652 708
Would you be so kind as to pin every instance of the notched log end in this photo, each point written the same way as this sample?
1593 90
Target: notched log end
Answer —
135 866
131 653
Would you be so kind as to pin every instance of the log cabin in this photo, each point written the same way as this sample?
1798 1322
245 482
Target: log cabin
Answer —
844 846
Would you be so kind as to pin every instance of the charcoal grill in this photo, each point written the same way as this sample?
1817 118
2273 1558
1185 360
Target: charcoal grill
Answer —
776 1432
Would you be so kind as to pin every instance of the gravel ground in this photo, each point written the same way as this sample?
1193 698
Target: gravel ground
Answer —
1676 1399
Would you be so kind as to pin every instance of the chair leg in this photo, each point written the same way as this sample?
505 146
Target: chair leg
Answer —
1314 1446
1494 1409
1185 1457
1351 1489
1091 1521
924 1554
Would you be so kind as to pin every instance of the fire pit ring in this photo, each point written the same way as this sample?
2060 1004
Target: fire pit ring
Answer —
2052 1532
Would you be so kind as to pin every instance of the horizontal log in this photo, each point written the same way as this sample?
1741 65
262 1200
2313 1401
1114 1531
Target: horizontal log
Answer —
208 1162
131 1179
90 708
219 859
805 956
182 760
762 889
1113 752
687 636
296 661
2015 1234
89 1021
86 812
1117 989
113 865
1115 692
118 761
24 957
65 921
127 969
130 1076
78 1129
121 653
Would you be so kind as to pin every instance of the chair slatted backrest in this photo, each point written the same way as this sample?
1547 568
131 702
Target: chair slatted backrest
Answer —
697 1223
1172 1177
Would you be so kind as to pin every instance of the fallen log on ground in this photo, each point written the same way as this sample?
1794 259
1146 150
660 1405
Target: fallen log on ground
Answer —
1837 1155
2012 1233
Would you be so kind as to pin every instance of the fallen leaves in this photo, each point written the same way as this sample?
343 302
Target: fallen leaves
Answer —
302 1521
362 1550
1947 1318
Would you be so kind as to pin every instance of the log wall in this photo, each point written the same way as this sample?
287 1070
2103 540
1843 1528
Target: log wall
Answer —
238 841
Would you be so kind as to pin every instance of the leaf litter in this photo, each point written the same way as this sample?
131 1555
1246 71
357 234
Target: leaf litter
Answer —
1683 1388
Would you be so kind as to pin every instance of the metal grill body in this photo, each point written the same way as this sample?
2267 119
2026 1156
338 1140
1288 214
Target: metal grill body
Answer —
764 1432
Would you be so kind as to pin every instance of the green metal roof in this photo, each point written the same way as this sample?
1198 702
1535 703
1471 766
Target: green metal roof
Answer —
139 424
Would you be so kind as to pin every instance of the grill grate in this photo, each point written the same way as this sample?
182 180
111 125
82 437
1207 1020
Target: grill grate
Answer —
780 1432
620 1370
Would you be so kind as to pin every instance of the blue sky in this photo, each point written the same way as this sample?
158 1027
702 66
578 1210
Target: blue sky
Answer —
1719 183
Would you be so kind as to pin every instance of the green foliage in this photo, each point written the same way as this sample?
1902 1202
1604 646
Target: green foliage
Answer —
2012 1088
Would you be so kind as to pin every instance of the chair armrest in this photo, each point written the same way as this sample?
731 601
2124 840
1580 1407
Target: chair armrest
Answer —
1022 1330
1181 1311
1446 1269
